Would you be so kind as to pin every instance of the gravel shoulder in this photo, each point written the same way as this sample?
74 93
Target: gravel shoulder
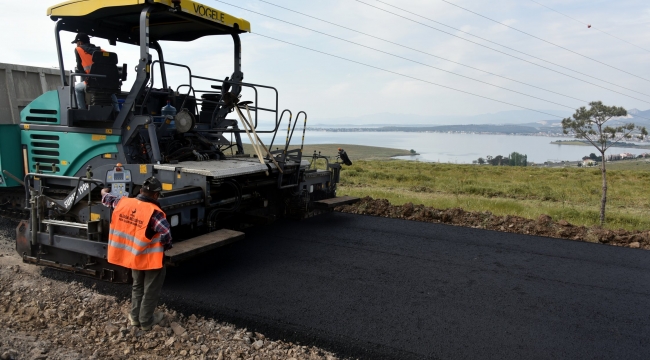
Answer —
44 318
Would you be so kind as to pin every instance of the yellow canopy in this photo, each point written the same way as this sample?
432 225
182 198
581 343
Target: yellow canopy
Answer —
119 19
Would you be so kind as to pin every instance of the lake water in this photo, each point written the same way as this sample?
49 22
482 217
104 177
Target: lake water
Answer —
456 148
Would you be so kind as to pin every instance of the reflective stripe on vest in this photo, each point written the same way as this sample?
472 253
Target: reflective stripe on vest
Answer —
155 240
128 244
135 251
86 59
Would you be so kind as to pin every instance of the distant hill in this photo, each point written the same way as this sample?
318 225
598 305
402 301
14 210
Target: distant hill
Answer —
639 113
638 117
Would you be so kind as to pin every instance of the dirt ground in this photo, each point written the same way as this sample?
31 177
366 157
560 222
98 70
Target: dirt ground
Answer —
42 319
543 226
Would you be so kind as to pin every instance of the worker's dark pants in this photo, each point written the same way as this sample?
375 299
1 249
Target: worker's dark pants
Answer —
146 291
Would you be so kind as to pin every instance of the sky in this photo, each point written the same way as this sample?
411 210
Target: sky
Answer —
329 87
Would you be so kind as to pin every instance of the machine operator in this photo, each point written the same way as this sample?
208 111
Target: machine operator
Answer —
84 55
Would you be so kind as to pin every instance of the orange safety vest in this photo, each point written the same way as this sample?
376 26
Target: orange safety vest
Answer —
128 244
86 59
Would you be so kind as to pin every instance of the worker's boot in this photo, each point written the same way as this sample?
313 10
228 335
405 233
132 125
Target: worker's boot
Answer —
157 318
132 321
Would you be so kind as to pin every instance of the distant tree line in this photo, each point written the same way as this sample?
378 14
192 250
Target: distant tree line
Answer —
593 157
515 159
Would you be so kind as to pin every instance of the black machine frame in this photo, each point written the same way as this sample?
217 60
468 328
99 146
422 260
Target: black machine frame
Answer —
68 226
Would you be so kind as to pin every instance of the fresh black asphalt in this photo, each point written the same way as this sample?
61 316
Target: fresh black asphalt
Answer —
374 288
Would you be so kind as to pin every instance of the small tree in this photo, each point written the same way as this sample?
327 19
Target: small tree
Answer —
590 125
517 159
413 152
497 160
481 161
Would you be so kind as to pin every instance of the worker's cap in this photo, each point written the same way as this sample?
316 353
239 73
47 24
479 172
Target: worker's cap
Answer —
81 37
152 184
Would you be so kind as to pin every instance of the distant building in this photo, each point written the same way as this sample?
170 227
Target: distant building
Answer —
589 162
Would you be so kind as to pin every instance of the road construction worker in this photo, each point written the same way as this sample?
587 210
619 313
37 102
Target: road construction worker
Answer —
139 234
84 55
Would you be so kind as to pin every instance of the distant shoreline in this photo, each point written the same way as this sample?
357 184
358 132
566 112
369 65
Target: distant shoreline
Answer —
584 143
519 132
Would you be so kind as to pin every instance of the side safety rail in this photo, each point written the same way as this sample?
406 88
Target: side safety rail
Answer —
255 109
83 186
293 156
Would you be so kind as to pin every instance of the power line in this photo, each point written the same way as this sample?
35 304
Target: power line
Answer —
410 48
505 53
539 38
400 57
410 77
394 72
404 75
423 52
602 31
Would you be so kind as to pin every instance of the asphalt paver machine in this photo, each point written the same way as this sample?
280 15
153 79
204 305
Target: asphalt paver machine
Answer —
55 162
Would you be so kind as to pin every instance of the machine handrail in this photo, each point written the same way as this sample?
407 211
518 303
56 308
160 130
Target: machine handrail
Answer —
79 179
191 90
254 86
290 135
146 95
281 116
304 128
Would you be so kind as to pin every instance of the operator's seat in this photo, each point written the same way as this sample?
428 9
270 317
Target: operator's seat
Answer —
100 90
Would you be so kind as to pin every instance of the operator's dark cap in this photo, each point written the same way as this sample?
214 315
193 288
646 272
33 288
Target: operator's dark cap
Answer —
82 37
152 184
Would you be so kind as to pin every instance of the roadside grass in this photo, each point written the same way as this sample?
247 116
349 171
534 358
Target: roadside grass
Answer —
642 164
572 194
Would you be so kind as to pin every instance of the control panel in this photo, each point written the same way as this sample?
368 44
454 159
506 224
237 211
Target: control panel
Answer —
120 181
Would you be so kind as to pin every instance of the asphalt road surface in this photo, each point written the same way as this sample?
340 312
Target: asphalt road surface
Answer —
376 288
384 288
